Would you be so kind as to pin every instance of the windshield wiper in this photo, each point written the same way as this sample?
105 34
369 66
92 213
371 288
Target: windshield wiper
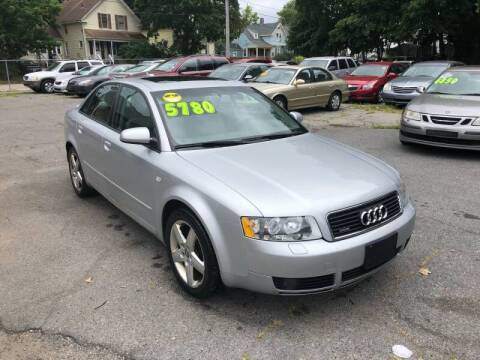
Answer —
212 144
438 93
274 136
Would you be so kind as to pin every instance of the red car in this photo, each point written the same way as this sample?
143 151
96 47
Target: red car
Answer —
263 60
366 81
194 65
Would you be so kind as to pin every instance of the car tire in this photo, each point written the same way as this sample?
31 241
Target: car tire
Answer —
335 101
379 98
281 101
192 257
77 177
47 86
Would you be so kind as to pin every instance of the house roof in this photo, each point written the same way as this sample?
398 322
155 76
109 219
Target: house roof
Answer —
113 35
75 10
260 43
263 29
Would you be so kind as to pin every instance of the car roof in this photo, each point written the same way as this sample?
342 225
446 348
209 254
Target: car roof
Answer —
465 68
438 62
378 63
245 64
153 84
328 57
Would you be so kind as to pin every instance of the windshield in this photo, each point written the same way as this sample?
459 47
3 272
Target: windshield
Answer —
425 70
222 116
121 68
370 70
317 63
456 83
228 72
276 76
168 65
53 66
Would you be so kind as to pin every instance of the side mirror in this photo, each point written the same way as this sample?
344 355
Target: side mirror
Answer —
248 78
421 89
297 116
139 135
299 82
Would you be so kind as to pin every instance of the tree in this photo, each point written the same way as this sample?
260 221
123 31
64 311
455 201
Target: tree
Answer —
144 49
248 17
192 21
24 26
288 13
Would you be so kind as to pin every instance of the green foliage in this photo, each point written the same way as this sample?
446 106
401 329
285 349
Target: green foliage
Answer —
24 25
192 21
144 49
248 17
288 13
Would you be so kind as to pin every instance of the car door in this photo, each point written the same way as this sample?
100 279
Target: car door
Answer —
302 95
205 66
324 86
333 67
343 68
132 168
92 126
68 68
351 65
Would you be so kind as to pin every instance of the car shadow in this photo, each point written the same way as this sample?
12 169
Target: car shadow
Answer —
441 152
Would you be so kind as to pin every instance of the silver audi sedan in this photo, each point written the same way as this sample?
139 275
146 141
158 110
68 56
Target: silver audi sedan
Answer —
235 187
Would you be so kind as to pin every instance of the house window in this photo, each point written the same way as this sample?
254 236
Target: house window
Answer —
81 44
255 35
121 22
104 21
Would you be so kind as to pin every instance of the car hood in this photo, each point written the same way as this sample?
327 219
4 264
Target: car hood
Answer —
299 175
413 81
262 87
42 74
446 105
352 79
91 77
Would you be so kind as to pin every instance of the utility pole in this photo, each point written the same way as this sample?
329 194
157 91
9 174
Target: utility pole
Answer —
227 28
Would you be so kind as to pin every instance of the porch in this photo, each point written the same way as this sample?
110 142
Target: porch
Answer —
105 44
257 52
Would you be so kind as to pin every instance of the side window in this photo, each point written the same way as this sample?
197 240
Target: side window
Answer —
333 65
205 64
305 75
82 64
132 111
217 62
320 75
343 64
351 63
100 105
189 65
68 67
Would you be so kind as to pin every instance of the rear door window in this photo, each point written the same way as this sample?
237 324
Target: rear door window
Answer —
217 62
343 64
82 64
320 75
68 67
333 65
205 64
351 63
99 106
189 65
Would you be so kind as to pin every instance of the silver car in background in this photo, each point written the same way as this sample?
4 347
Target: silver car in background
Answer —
404 88
339 66
448 113
61 81
235 187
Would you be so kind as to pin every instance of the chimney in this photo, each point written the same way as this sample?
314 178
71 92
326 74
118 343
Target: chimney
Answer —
262 20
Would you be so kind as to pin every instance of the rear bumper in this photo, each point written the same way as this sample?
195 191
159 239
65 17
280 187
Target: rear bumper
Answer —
277 268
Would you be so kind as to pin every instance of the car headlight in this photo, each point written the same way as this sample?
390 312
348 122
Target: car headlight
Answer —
369 86
412 115
295 228
476 122
33 77
387 87
403 194
85 82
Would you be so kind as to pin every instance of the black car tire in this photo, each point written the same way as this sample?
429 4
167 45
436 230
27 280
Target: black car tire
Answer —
47 86
281 101
335 101
83 190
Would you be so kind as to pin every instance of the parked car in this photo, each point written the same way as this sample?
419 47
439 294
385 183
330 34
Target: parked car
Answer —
405 88
340 66
82 85
43 81
194 65
263 60
141 69
236 188
447 114
296 87
367 81
240 71
61 81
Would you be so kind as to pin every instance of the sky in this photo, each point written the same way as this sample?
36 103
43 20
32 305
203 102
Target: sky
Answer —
265 8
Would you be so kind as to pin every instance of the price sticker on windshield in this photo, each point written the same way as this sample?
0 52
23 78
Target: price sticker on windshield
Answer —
446 80
187 108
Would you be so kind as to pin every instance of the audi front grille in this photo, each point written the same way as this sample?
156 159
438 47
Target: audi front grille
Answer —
365 217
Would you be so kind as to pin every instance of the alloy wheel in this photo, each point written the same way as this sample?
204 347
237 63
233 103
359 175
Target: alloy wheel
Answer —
75 172
187 254
48 86
335 102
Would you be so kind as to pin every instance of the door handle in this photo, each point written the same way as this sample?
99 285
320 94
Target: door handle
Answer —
107 145
80 129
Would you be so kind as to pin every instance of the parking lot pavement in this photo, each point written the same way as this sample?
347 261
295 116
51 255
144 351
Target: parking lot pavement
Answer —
91 284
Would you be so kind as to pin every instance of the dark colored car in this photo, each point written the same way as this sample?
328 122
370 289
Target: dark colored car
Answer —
82 85
263 60
194 65
366 82
240 71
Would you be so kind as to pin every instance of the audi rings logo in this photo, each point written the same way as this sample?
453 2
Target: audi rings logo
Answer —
374 216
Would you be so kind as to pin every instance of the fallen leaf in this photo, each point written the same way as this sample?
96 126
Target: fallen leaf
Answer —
424 271
89 280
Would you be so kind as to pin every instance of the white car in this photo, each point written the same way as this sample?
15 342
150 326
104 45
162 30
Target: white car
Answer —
340 66
61 81
43 81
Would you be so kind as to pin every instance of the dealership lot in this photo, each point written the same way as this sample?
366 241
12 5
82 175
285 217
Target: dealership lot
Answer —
87 278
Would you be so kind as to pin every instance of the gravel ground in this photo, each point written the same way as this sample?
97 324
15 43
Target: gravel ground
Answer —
51 242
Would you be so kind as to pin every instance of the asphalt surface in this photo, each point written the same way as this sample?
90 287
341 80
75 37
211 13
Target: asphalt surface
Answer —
80 280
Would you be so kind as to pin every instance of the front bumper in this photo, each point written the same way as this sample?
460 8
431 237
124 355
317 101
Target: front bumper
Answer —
81 90
390 97
364 95
60 87
467 137
331 265
35 85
